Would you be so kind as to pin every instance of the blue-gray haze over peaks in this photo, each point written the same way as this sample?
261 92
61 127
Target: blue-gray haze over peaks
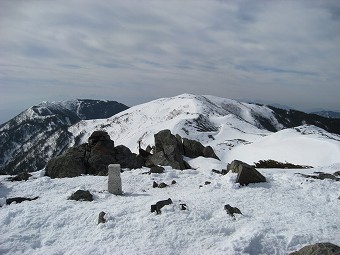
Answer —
284 52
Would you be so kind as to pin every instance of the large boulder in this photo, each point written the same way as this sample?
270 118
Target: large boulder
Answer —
245 173
70 164
194 149
318 249
168 151
99 156
127 159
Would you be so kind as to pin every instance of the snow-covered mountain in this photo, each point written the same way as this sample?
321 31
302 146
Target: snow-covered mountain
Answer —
30 139
234 129
328 114
229 126
279 216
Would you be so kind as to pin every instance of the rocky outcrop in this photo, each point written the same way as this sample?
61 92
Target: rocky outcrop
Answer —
93 158
245 173
100 151
170 149
318 249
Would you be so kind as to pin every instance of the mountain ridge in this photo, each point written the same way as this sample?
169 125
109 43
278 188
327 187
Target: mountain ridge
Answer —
221 123
40 132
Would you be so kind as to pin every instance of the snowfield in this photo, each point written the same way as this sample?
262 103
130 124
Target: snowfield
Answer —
280 216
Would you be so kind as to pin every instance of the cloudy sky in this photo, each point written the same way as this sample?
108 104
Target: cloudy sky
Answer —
284 52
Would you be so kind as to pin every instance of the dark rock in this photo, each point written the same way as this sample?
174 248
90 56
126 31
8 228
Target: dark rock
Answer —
337 173
224 171
156 170
100 156
318 249
321 176
19 199
165 138
70 164
245 173
155 184
148 149
249 175
160 204
168 151
143 153
127 159
101 218
173 182
81 195
162 185
207 183
232 210
160 158
236 165
208 152
20 177
216 171
192 148
93 158
97 136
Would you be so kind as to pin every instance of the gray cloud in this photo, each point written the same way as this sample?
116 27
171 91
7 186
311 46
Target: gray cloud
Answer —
285 52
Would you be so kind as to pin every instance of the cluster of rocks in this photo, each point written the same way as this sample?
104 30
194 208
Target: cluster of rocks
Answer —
93 158
100 151
169 151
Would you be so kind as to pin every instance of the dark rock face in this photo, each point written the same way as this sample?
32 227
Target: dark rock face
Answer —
81 195
245 173
70 164
194 149
318 249
127 159
168 151
99 153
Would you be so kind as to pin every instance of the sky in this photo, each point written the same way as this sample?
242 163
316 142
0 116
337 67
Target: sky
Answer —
275 52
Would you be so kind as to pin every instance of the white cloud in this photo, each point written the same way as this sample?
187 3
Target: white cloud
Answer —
138 50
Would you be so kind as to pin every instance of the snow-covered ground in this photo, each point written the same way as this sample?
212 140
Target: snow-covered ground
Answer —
280 216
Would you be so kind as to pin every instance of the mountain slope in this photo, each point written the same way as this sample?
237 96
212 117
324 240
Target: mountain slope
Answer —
328 114
30 139
224 124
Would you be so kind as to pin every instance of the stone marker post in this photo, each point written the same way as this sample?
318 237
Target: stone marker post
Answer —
114 180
